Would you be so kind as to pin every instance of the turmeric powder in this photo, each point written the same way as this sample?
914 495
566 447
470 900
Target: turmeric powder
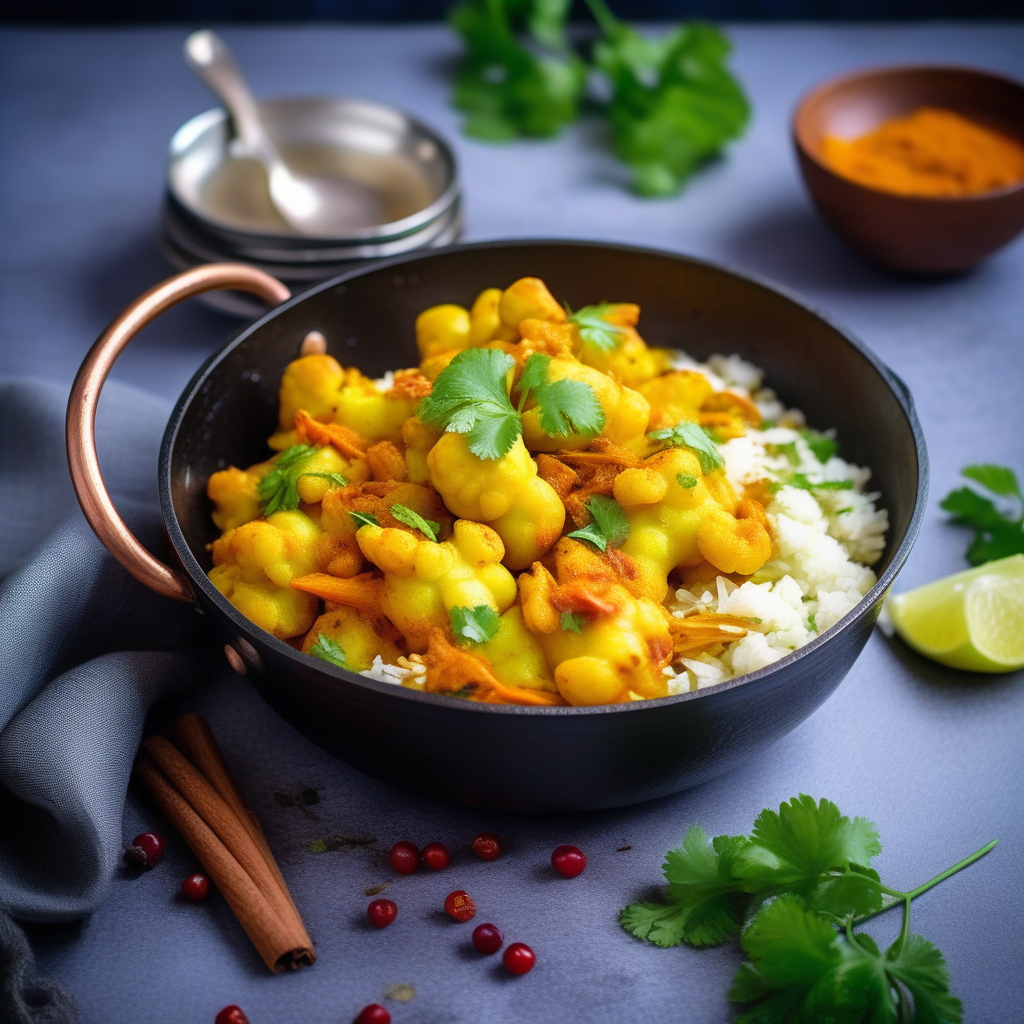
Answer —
931 152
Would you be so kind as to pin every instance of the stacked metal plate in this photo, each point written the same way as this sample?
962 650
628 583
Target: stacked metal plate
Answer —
218 204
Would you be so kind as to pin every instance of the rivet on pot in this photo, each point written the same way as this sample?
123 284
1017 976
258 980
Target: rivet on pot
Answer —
313 344
250 656
234 659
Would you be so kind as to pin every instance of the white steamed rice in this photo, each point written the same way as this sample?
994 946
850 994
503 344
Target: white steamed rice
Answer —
824 540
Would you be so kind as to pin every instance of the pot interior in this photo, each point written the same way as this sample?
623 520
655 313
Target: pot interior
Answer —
230 407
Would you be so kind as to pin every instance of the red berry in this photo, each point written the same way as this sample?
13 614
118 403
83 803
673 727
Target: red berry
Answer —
231 1015
518 958
568 861
403 858
380 913
147 849
487 938
459 905
487 846
373 1014
196 888
436 856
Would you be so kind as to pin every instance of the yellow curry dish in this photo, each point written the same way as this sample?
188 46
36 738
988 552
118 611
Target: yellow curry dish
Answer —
545 511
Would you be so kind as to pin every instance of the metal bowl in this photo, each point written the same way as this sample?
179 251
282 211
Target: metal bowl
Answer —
525 758
217 206
185 247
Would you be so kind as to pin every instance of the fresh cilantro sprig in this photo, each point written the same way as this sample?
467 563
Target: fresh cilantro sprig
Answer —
594 329
674 103
564 406
686 480
693 436
330 651
608 525
470 396
406 515
801 968
997 533
477 625
364 519
279 490
518 75
806 848
799 876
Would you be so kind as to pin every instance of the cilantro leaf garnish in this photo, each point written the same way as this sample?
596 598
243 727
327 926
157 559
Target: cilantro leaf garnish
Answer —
564 406
801 481
691 435
594 329
997 533
572 622
477 625
470 396
685 480
330 651
518 76
608 525
789 450
364 519
406 515
822 446
279 490
674 103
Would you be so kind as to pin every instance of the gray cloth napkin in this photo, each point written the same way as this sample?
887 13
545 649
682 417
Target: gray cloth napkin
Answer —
84 651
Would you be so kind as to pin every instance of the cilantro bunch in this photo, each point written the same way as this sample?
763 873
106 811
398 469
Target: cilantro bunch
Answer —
519 76
470 396
672 103
997 533
796 887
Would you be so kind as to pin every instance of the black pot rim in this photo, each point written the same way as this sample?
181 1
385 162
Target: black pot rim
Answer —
201 582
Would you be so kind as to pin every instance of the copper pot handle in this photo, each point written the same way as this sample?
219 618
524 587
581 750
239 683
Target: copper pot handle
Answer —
85 393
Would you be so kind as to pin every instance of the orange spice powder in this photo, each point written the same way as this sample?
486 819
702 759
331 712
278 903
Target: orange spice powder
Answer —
931 152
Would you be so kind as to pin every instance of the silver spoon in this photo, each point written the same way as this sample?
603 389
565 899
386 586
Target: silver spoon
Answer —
320 207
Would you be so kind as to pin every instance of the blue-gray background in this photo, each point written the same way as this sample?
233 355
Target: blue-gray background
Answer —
134 11
933 756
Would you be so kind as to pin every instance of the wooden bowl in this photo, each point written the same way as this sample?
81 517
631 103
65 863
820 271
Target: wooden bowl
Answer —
917 234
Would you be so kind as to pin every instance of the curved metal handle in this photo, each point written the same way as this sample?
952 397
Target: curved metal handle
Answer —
85 393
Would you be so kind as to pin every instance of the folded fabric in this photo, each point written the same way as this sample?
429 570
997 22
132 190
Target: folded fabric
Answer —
84 651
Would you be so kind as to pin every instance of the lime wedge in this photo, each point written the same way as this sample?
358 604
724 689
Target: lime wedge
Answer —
972 620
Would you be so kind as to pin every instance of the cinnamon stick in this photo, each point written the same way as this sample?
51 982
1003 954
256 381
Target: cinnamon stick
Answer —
222 821
196 741
273 936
